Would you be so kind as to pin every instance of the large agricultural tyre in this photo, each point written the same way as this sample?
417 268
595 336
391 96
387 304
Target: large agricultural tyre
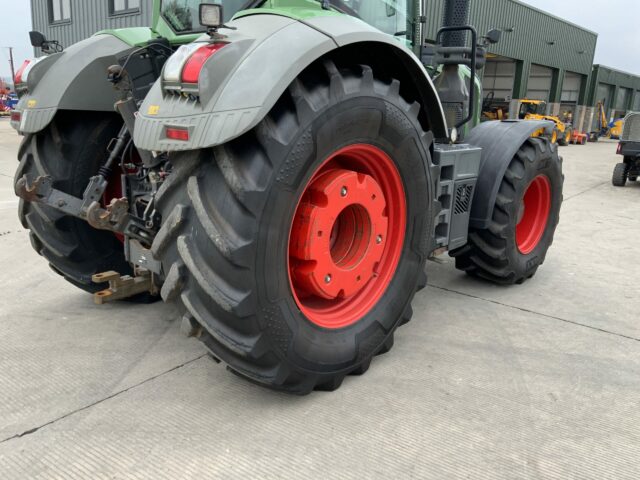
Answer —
620 174
524 219
70 149
295 250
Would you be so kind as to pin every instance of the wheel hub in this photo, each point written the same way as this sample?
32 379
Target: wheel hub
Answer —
533 214
347 236
338 234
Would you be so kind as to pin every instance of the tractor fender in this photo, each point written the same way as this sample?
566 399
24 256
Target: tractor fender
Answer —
75 79
242 82
499 140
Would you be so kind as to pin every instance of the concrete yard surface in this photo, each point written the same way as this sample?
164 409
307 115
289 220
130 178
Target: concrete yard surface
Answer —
535 381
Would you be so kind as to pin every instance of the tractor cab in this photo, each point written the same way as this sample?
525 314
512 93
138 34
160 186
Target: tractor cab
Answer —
182 16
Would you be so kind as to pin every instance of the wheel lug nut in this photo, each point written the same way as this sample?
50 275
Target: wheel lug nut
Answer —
327 278
343 192
379 239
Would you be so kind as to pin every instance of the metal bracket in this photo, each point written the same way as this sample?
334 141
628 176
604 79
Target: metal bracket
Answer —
115 217
141 257
42 191
122 286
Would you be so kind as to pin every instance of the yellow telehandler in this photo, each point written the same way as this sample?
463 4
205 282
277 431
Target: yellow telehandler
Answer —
536 110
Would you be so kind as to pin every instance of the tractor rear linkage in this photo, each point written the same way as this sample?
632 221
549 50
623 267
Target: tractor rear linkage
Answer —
116 217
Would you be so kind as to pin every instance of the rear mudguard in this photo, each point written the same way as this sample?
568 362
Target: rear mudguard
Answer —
75 79
499 142
242 82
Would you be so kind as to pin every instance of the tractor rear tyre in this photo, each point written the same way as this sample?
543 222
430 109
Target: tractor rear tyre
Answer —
295 250
620 175
525 217
71 150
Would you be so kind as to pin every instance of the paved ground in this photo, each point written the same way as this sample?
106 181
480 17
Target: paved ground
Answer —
535 381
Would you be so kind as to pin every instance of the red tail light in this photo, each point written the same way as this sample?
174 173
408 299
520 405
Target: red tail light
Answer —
23 67
192 68
175 133
16 116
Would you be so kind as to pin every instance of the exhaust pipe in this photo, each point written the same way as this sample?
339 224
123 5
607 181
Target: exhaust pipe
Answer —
451 52
455 14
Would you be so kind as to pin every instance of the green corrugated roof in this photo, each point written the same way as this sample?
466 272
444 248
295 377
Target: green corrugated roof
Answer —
533 29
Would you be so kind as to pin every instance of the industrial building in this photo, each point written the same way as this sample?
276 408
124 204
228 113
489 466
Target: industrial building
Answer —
540 56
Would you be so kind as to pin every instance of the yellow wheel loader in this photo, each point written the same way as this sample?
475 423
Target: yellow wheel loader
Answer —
536 110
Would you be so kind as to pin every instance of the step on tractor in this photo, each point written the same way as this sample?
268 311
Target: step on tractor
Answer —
280 171
629 148
562 133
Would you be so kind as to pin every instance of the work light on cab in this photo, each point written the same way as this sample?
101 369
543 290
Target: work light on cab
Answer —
211 15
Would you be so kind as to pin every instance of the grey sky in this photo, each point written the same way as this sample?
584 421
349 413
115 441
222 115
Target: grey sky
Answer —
615 21
15 23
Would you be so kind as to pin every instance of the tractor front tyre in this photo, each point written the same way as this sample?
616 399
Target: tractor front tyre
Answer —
524 219
70 149
295 250
620 175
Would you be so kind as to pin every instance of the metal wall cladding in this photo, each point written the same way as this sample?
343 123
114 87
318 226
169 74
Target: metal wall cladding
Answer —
573 47
87 18
605 79
616 77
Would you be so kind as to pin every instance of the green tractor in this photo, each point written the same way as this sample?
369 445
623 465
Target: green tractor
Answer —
280 171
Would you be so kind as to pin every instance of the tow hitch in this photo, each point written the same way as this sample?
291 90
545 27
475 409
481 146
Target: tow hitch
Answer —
123 286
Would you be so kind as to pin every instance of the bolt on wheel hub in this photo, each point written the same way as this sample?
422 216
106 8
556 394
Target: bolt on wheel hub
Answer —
338 234
533 214
347 235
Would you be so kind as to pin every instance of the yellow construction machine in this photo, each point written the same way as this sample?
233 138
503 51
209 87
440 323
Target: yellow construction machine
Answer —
612 129
536 110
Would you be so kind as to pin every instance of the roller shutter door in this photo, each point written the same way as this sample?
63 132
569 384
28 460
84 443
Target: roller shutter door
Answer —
571 87
498 77
539 85
569 96
605 92
622 101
